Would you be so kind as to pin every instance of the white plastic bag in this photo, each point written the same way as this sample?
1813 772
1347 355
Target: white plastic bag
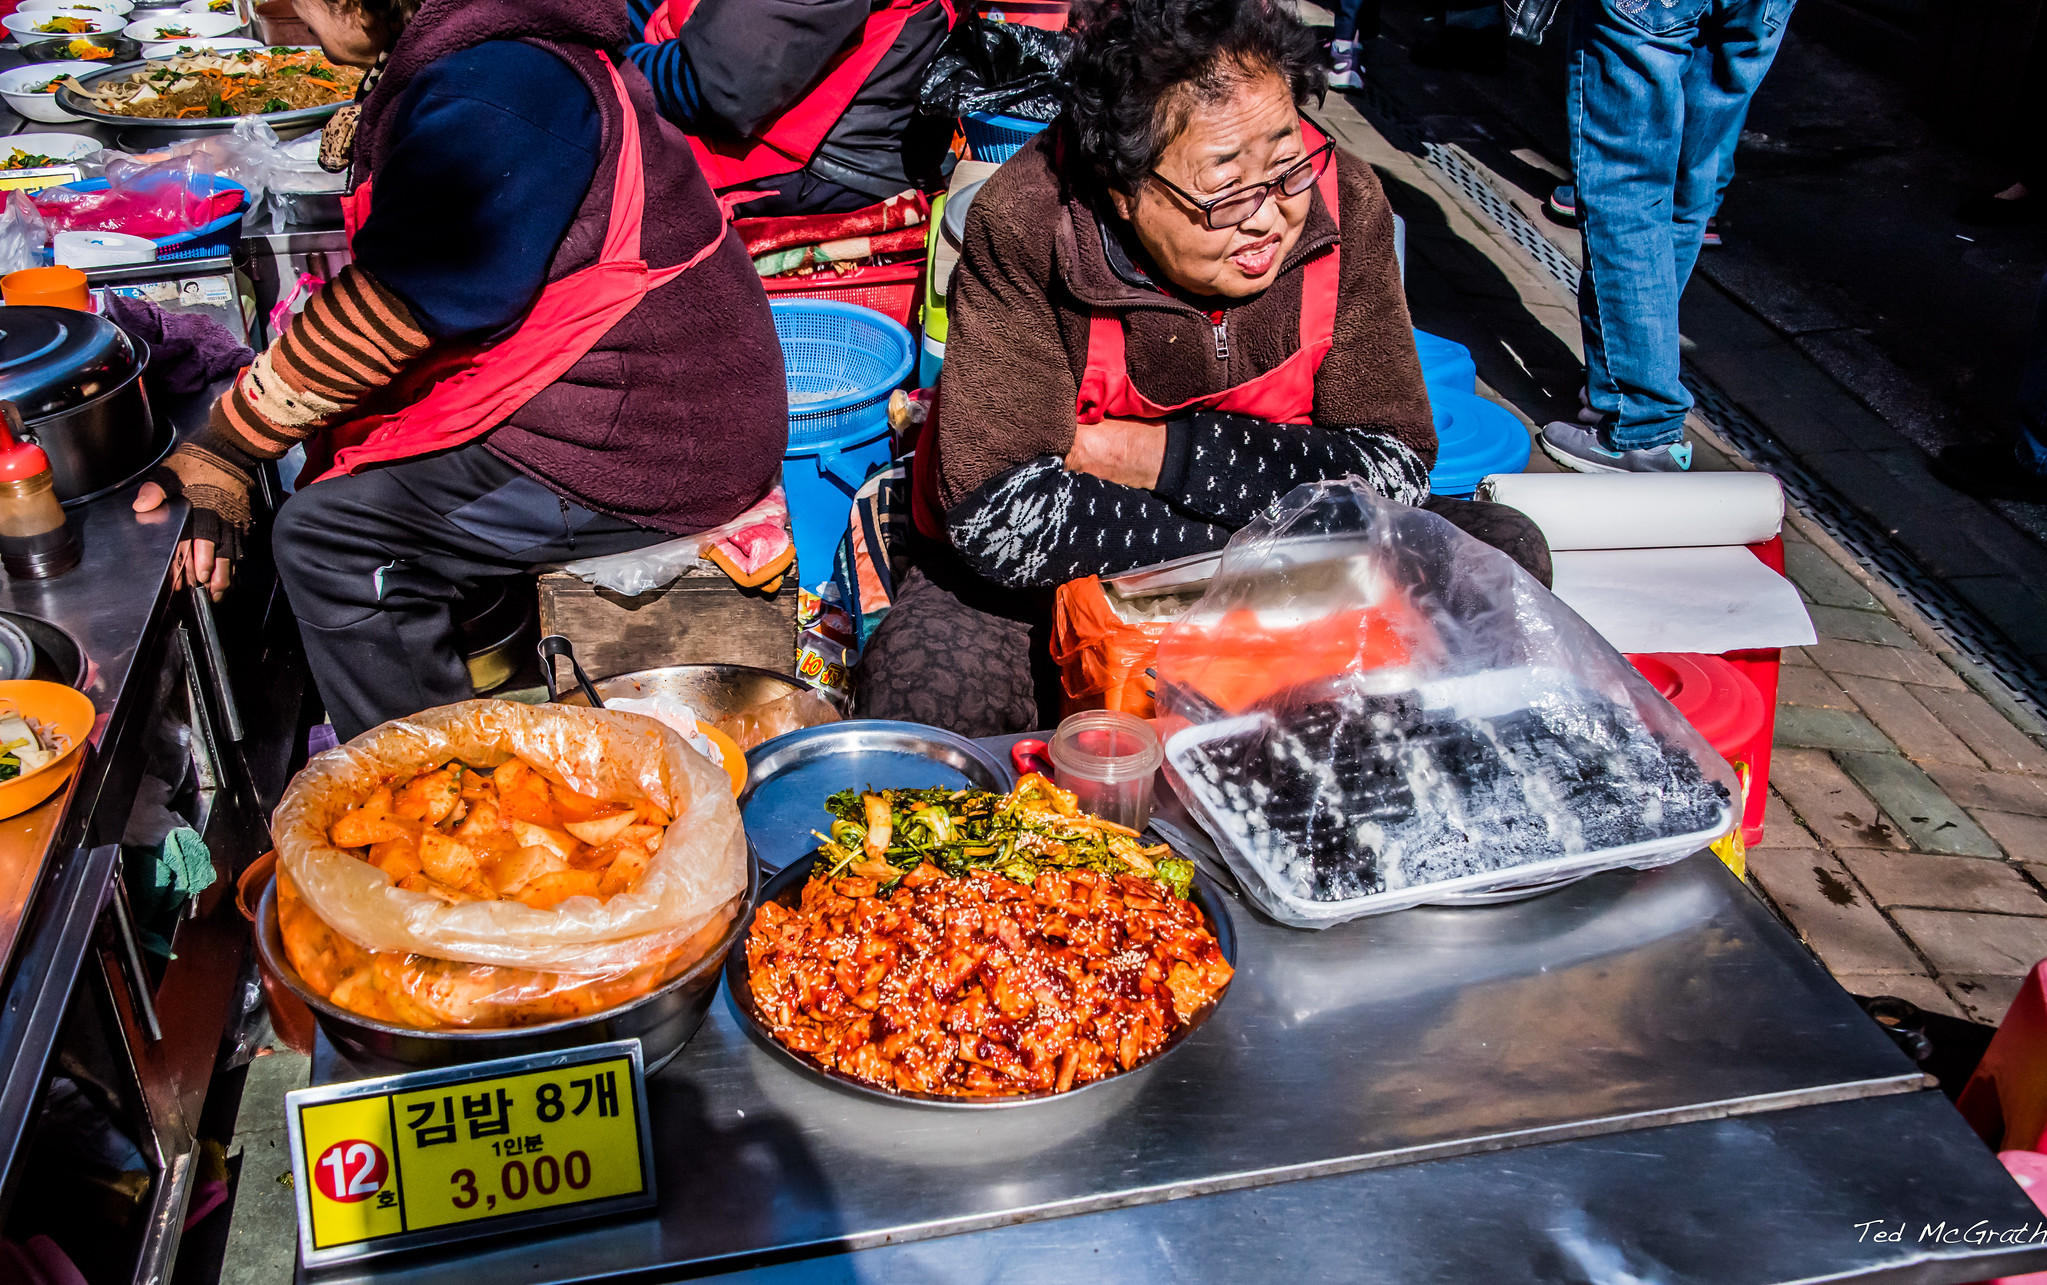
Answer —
700 867
1369 710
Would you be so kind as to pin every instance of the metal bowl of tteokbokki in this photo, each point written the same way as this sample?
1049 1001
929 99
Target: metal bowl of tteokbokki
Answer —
491 879
663 1020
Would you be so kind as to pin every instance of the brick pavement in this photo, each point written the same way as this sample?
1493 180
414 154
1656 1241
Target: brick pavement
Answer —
1906 836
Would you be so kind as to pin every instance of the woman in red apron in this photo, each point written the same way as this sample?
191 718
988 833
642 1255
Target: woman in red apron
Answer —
808 106
1172 308
547 346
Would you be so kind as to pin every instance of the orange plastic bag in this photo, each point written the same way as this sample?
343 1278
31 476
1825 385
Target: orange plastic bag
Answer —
1102 657
1244 657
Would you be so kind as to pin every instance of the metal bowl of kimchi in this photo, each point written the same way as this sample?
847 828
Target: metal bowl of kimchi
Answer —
786 889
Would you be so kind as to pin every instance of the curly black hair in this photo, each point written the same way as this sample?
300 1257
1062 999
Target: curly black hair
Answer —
1139 67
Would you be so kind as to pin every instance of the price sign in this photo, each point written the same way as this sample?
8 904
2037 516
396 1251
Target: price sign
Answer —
434 1156
39 177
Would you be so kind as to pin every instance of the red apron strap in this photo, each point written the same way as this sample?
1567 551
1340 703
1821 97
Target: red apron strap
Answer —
1106 381
1321 281
786 143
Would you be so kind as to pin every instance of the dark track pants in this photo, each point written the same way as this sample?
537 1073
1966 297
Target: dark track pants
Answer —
375 563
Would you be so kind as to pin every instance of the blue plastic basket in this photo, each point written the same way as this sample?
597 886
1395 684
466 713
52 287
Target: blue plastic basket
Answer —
841 361
1446 364
216 238
1474 437
992 136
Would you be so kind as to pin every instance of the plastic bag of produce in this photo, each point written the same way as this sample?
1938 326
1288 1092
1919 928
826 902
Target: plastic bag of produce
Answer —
1369 710
698 868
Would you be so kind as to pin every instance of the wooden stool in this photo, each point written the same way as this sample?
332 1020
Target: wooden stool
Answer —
698 618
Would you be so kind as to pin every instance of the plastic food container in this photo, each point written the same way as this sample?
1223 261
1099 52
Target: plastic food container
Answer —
1108 758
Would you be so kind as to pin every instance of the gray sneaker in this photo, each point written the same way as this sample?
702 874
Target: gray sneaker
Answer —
1580 449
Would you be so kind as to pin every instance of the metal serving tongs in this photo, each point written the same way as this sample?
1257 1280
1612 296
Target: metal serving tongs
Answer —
555 645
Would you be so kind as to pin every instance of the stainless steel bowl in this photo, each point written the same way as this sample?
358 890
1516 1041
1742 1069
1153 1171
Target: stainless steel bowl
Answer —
713 691
787 888
662 1021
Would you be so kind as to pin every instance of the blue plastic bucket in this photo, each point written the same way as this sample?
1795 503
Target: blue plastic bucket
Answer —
930 360
1474 437
842 361
992 136
1446 364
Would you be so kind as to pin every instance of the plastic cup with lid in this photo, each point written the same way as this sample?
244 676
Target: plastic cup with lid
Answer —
1108 758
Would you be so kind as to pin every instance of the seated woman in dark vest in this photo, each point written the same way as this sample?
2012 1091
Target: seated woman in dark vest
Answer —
547 345
1173 307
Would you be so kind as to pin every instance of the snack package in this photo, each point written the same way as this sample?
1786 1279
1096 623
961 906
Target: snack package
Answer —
1369 710
699 868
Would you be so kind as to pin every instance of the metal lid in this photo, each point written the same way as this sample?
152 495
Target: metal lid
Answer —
56 359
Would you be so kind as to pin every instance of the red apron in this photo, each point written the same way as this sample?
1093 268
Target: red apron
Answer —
463 395
787 141
1283 395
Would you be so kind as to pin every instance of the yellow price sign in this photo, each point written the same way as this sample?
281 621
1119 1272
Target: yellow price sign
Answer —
433 1156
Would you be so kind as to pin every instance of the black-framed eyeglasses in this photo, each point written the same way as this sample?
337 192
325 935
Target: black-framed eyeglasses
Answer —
1238 204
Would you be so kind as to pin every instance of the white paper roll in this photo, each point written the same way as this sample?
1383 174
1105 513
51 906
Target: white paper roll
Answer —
1643 510
101 249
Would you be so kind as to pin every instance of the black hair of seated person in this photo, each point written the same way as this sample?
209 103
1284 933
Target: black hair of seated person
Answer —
1139 67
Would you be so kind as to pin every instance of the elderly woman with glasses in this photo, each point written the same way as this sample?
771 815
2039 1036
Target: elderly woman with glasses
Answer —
1175 305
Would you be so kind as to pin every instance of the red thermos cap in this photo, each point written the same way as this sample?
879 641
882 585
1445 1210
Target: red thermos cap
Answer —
19 460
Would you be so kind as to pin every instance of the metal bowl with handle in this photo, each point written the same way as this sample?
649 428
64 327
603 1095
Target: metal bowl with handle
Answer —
662 1020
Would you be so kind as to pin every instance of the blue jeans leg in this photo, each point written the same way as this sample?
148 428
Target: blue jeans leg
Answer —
1356 20
1738 42
1658 91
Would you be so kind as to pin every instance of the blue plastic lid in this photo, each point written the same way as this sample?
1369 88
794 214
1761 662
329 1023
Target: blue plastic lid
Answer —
1000 121
1474 437
1446 364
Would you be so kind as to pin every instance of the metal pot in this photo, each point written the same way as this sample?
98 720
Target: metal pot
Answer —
77 380
713 691
662 1021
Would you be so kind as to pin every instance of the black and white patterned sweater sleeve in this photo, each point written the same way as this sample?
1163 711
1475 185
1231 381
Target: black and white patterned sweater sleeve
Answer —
1037 525
1230 468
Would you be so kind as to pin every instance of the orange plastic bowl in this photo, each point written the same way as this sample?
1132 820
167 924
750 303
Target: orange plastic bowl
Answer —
728 749
57 709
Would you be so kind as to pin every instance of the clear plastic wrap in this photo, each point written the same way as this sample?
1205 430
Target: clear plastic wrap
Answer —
792 711
699 867
1370 710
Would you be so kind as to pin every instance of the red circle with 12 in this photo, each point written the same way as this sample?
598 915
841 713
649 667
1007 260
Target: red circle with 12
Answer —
351 1170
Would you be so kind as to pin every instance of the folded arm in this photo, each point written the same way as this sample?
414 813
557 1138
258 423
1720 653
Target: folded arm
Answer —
1042 523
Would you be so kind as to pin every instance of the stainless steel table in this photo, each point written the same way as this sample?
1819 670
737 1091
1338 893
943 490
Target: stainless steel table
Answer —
1640 1073
223 685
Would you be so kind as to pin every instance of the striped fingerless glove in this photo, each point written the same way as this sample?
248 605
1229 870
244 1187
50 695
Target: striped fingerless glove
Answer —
352 339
